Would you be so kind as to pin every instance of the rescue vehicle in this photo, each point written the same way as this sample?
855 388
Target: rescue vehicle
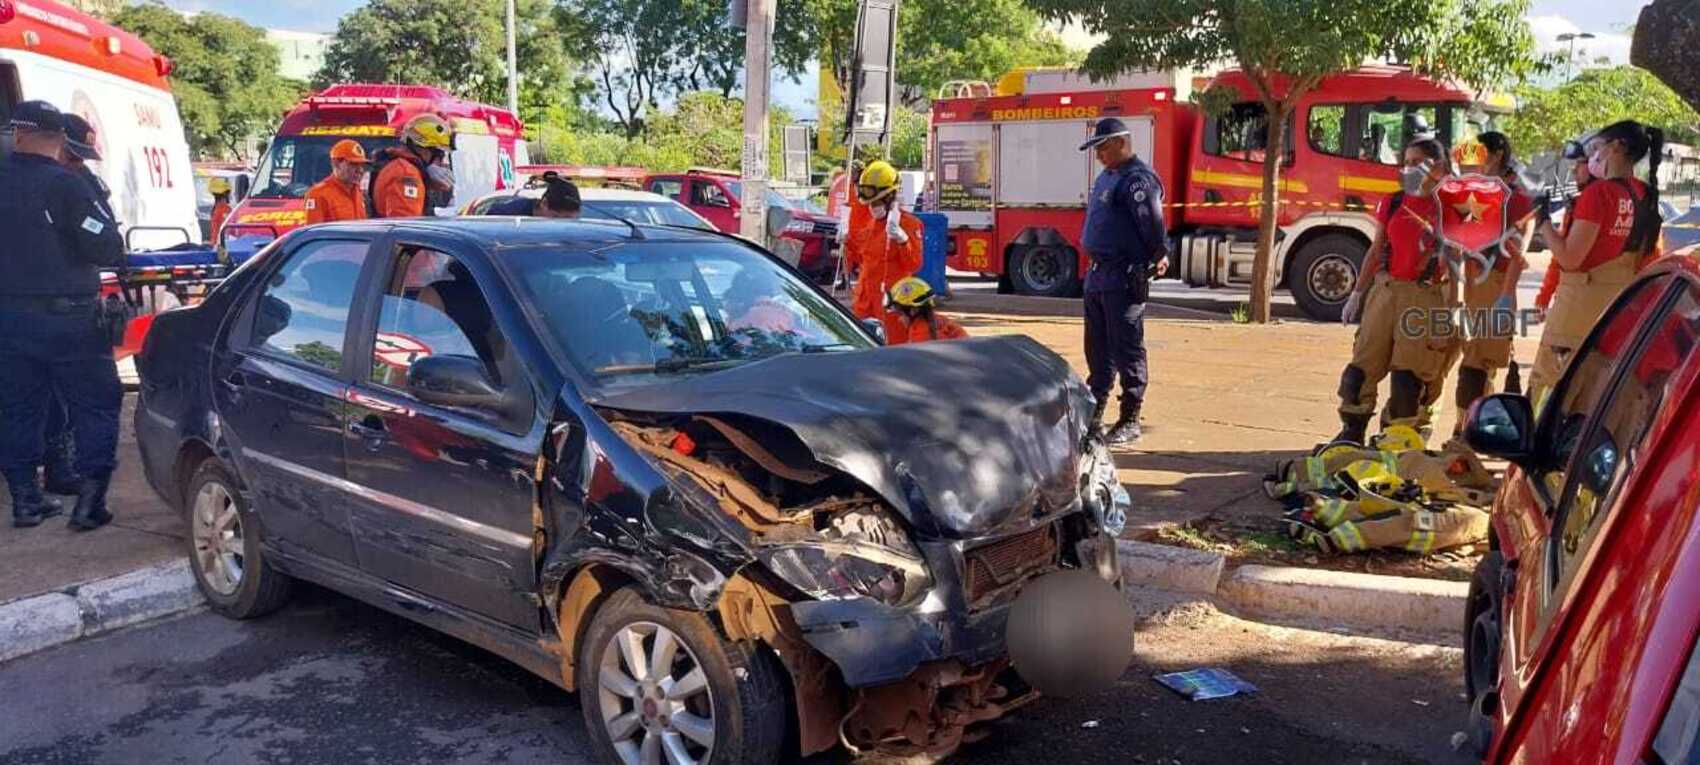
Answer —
488 146
111 78
1012 180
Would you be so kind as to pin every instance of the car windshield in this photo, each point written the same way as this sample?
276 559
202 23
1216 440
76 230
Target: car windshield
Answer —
638 313
294 163
774 199
667 213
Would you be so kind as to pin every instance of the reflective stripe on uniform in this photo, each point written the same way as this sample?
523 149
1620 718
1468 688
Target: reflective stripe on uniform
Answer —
1332 511
1421 541
1347 537
1316 471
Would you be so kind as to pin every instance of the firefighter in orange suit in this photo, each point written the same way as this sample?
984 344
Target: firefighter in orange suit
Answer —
219 188
886 247
410 174
340 196
913 300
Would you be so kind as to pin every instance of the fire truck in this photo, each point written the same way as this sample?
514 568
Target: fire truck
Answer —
115 81
1013 182
488 146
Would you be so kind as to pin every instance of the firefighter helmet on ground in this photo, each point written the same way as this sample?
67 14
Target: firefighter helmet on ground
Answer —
878 182
428 131
911 292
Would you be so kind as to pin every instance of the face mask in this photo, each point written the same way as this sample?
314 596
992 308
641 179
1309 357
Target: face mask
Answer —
440 177
1597 164
1412 177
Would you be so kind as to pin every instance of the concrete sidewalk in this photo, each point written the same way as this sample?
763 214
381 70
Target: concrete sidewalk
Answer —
53 558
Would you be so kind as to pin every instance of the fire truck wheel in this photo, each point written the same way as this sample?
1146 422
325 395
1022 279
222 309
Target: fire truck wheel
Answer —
1044 270
1323 273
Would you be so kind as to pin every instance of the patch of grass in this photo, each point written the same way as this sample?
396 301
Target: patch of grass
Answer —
1271 543
1241 314
1185 536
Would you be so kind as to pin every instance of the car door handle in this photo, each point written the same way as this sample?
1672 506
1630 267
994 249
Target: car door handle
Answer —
235 380
371 430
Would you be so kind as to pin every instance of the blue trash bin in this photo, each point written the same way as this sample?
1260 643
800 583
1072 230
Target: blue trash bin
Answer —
935 243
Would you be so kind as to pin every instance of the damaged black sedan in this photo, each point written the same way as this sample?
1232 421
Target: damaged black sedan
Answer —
654 466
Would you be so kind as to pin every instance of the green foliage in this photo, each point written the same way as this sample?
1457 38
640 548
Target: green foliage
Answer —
1547 117
459 47
646 52
226 80
909 139
704 129
943 40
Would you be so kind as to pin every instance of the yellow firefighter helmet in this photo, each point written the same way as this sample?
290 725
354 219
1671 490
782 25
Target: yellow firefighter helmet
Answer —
878 182
428 131
911 292
218 186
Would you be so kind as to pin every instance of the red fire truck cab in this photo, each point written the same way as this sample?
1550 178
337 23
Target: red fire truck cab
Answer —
488 146
1011 177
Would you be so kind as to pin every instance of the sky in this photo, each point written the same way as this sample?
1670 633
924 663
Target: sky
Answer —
1608 20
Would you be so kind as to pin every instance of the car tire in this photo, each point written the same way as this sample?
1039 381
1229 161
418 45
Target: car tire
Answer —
740 689
1482 623
1044 271
226 555
1323 274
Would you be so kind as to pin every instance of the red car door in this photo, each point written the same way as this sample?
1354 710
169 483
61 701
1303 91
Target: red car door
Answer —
712 200
1594 594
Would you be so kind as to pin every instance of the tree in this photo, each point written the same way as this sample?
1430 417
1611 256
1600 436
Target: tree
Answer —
1286 48
704 129
648 52
1667 43
226 78
943 40
460 47
1547 117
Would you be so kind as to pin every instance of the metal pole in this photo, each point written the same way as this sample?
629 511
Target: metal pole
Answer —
757 79
513 63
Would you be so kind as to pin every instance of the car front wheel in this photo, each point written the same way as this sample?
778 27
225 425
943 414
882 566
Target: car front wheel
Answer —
662 686
224 548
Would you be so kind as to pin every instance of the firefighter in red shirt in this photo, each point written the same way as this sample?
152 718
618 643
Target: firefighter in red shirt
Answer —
1415 351
219 188
1614 223
411 174
912 299
886 247
1490 300
340 195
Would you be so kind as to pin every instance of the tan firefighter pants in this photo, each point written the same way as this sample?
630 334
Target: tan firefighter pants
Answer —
1577 303
1399 330
1419 531
1487 345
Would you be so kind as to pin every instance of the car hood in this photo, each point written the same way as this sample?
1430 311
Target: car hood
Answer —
962 437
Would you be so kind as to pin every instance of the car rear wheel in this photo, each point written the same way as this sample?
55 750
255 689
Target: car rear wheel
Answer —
225 554
1482 640
1324 273
662 686
1044 270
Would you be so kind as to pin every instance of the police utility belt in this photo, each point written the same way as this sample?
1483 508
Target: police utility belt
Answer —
113 313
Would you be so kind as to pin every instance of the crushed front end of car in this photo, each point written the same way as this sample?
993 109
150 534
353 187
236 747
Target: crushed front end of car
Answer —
894 506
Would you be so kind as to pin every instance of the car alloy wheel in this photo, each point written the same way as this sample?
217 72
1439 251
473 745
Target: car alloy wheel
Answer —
217 529
654 698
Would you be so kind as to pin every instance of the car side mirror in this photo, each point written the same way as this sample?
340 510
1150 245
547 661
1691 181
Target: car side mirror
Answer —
876 328
244 184
1502 425
452 380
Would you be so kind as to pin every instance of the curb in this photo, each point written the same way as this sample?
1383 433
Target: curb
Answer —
1357 600
39 622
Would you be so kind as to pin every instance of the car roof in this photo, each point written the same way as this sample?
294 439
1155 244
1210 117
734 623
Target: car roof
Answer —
501 232
587 194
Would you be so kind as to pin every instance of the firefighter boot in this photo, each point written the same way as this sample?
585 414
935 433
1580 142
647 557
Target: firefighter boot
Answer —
61 473
90 512
1406 396
1513 378
1098 412
1353 428
1472 384
29 507
1126 430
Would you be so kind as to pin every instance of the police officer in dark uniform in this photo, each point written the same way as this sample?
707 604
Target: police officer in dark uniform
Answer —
1127 242
79 151
560 200
57 237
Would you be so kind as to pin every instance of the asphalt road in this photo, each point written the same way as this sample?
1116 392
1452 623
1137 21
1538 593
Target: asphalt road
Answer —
329 680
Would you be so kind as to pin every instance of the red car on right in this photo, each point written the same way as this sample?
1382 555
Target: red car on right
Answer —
1582 619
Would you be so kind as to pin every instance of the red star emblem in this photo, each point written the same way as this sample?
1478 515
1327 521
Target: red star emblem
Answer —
1472 209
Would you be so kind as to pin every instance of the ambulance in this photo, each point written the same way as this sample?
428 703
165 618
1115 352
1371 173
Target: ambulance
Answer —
488 146
1012 180
111 78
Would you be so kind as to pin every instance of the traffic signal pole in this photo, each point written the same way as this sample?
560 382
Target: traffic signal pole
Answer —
758 68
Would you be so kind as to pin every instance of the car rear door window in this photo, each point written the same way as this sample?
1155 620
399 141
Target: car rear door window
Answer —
1614 440
303 313
667 188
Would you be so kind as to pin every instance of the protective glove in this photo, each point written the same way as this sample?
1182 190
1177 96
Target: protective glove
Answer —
843 222
894 227
1353 310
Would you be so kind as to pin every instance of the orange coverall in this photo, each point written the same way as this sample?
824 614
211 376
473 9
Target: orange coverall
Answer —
883 263
919 331
399 191
220 212
332 200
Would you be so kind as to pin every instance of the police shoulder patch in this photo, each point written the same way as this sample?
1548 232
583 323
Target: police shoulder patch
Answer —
1139 195
93 225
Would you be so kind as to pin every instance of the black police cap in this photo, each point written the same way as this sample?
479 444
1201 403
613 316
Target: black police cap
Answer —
38 115
1107 128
